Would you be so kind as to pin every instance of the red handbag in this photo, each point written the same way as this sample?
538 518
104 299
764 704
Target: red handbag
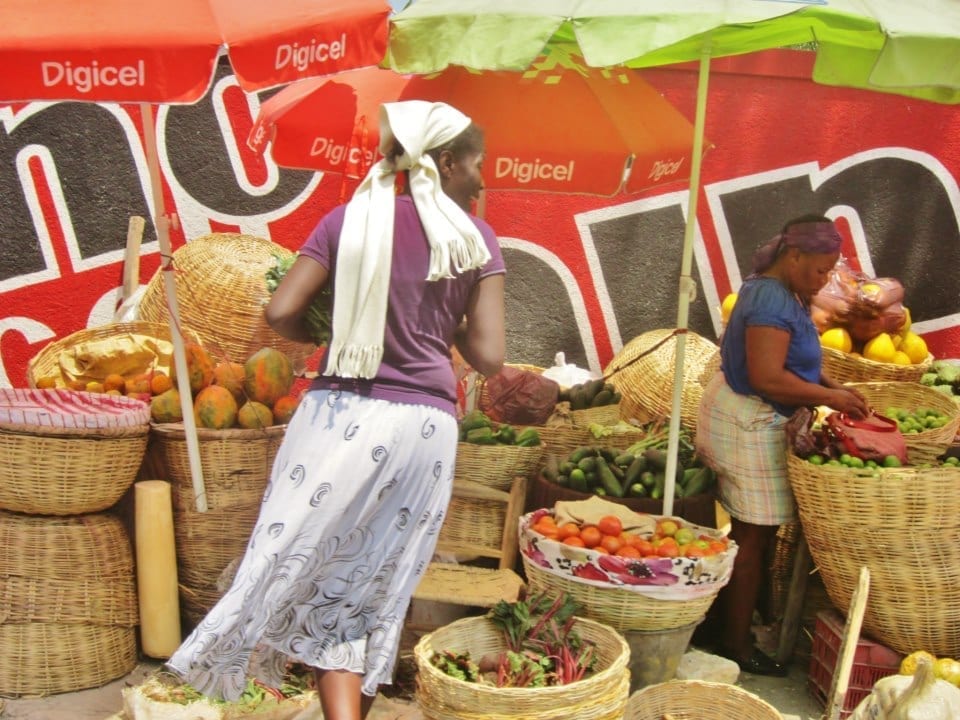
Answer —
873 438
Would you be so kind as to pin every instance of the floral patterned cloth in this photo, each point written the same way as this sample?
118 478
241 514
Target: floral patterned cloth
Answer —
661 578
349 522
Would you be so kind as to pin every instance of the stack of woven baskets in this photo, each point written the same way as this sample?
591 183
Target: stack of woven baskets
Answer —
68 599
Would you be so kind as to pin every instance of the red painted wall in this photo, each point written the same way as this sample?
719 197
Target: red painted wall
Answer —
585 273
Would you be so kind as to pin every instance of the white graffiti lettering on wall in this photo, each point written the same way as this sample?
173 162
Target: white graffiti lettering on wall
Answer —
316 53
86 77
525 172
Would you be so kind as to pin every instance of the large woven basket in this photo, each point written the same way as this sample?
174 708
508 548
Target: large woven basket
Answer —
496 465
46 363
925 446
221 291
48 658
698 700
646 384
904 525
600 696
62 471
620 609
603 415
561 440
68 604
236 463
844 367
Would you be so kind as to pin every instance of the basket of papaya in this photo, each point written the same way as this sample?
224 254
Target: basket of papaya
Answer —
634 476
535 659
493 454
632 571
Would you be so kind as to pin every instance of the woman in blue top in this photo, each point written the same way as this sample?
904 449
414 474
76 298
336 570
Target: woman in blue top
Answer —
770 365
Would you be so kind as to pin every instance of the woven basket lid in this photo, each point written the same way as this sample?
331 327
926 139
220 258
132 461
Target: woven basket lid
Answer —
646 381
221 291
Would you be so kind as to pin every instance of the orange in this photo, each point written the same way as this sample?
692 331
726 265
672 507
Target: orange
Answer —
611 543
591 535
628 551
601 549
113 381
574 540
668 550
645 547
569 529
160 383
610 525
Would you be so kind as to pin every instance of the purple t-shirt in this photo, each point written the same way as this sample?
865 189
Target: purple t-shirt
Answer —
421 315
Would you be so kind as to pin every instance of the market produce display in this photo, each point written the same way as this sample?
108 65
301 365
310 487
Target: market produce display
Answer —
590 394
541 647
477 428
943 376
253 395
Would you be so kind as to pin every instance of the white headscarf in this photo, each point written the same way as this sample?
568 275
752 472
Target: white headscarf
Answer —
366 239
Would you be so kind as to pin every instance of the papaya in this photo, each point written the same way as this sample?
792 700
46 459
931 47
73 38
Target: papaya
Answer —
199 367
284 408
230 375
215 408
268 376
254 416
165 407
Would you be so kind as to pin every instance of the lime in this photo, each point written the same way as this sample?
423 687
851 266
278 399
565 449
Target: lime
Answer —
871 464
845 459
818 459
892 461
855 462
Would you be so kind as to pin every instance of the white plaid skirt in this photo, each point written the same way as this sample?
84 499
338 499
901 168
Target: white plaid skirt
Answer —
744 440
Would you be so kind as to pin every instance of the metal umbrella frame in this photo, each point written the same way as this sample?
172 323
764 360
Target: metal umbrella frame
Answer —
881 45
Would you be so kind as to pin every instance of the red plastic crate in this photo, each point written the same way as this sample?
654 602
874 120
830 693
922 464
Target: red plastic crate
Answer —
871 661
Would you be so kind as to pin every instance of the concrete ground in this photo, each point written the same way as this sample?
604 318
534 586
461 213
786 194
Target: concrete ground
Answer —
789 695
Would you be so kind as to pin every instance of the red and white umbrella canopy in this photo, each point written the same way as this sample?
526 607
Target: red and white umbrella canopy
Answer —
166 52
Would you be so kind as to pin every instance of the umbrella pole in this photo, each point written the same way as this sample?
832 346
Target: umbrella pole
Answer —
162 220
688 288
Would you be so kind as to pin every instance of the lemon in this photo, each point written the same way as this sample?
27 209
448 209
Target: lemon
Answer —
915 347
908 666
947 669
726 307
897 339
907 322
901 358
838 339
880 348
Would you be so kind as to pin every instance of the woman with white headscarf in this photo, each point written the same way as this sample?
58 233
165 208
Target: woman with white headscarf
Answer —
360 486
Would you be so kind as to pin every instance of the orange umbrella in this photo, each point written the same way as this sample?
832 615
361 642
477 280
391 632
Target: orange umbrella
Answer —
137 51
166 52
556 129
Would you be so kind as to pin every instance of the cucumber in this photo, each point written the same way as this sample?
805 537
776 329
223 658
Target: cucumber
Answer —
608 481
563 480
618 472
701 482
565 467
634 470
656 458
604 397
580 453
588 463
590 390
578 480
623 460
648 480
637 490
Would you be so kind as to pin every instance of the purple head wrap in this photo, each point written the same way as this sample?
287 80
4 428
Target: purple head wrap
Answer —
817 238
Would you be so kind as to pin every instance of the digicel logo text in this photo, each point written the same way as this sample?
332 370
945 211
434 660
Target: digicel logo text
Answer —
302 56
525 172
337 154
86 77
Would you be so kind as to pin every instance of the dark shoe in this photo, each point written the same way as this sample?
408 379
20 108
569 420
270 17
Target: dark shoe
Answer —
759 663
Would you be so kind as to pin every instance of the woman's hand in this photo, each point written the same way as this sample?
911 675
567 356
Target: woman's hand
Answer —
849 401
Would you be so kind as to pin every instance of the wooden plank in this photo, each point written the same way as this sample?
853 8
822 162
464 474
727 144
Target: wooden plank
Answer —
511 532
796 594
848 646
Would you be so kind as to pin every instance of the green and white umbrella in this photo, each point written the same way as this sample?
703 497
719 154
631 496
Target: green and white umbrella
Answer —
908 47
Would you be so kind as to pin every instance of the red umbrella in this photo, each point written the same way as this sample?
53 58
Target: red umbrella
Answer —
134 51
166 52
557 129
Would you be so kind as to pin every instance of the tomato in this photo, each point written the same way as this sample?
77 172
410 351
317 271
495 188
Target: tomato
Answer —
645 548
628 551
569 529
668 550
601 549
610 525
611 543
574 540
591 535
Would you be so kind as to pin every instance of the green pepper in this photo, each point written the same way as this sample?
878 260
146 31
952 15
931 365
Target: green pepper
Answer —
528 438
481 436
473 420
506 434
